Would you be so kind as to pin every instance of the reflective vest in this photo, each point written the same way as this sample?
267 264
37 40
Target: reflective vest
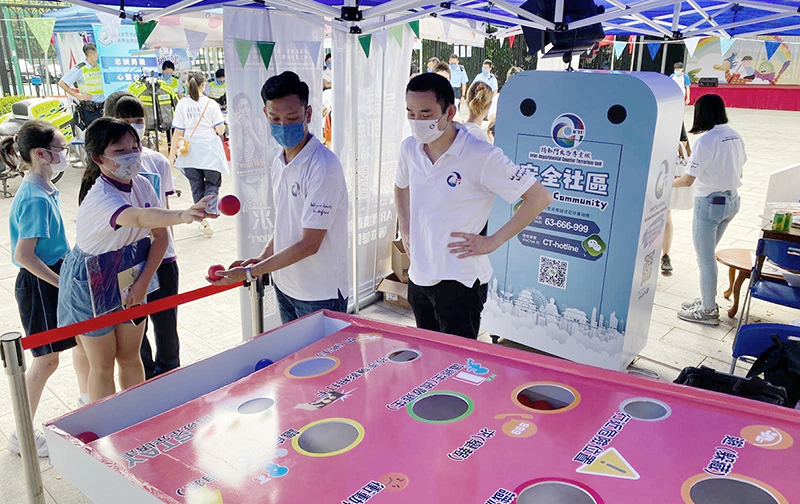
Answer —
215 91
92 80
165 94
173 84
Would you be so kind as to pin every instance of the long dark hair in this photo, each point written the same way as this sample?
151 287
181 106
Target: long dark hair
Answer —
32 135
100 134
194 81
129 107
709 111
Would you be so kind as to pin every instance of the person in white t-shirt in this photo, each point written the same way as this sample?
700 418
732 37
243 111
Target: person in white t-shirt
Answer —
198 118
715 170
682 79
479 99
118 208
156 169
445 187
307 255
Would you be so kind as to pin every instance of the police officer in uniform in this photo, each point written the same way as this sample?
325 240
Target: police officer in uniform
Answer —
167 75
87 77
216 89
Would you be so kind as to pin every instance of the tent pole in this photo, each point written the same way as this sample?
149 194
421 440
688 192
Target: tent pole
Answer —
380 168
353 42
664 48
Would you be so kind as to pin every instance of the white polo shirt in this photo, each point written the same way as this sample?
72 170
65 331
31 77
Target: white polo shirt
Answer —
155 168
97 231
310 193
717 160
455 194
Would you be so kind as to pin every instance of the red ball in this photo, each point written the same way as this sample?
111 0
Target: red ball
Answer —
229 205
87 437
214 270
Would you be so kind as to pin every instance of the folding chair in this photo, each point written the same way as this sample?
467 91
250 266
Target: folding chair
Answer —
787 256
752 340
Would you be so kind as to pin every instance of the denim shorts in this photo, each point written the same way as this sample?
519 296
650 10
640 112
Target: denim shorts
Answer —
74 297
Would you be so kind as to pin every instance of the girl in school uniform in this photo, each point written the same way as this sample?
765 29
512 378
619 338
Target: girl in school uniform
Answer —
199 119
38 247
118 207
155 168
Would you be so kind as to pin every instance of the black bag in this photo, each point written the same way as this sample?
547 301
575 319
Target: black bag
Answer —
750 388
780 365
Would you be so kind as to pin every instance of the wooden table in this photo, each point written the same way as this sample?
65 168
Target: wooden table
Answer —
740 260
793 235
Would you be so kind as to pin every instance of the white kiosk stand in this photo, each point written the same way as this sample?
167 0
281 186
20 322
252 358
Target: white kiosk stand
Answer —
579 281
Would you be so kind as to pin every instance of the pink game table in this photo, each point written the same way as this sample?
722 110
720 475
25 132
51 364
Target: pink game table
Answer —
354 411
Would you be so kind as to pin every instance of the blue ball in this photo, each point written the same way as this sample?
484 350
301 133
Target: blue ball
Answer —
263 363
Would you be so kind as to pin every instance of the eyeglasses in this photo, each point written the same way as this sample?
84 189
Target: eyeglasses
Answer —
57 148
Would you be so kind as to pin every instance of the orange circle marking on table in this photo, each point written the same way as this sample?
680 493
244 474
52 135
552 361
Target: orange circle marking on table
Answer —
576 397
295 377
394 482
689 483
771 438
521 429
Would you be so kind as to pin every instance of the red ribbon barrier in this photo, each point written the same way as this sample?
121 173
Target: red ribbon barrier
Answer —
118 317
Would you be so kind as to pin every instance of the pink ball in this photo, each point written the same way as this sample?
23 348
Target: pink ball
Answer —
87 437
229 205
214 270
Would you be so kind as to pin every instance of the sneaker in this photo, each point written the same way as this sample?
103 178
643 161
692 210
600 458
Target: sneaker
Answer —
690 305
666 264
41 444
82 402
205 227
700 316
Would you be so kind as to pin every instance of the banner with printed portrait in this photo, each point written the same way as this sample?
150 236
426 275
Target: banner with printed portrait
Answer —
382 62
249 36
768 60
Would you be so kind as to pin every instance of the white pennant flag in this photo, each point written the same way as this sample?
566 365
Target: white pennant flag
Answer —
691 45
313 51
726 44
382 38
110 24
446 27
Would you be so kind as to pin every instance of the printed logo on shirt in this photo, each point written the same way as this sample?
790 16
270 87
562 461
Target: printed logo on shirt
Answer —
454 179
296 189
521 173
568 131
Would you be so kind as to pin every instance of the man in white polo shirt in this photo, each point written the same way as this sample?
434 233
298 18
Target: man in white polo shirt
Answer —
444 190
307 255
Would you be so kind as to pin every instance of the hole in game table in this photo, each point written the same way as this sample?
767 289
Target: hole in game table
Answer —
329 437
555 492
404 355
729 491
310 368
441 407
256 405
646 409
545 397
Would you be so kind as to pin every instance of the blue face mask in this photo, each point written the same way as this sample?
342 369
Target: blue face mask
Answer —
485 71
288 136
453 66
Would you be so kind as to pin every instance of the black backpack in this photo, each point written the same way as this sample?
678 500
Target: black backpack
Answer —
750 388
780 365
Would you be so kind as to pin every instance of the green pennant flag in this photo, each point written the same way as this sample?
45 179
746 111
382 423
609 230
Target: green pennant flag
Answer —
265 49
143 30
415 26
365 40
397 33
243 48
42 30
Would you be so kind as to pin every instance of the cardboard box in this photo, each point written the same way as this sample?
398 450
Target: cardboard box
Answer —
394 291
400 261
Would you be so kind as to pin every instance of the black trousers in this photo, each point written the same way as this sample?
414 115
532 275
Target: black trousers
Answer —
165 326
449 307
203 182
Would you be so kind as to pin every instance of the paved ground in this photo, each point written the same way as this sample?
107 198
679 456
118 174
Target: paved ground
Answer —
210 326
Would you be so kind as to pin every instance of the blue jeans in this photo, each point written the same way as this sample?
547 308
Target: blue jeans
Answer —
292 309
712 214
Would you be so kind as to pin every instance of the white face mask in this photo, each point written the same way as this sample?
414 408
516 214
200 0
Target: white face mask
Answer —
61 164
140 129
128 165
426 131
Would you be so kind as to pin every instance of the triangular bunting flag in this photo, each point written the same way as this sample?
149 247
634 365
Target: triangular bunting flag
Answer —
110 24
415 27
446 28
771 47
382 38
725 44
313 51
365 40
42 30
511 39
243 48
691 45
502 40
194 40
143 30
631 43
397 33
619 48
653 47
265 50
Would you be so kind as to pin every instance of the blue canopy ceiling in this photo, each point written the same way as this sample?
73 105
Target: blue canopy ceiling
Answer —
642 17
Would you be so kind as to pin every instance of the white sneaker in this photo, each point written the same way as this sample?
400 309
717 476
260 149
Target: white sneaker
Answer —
41 444
205 227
